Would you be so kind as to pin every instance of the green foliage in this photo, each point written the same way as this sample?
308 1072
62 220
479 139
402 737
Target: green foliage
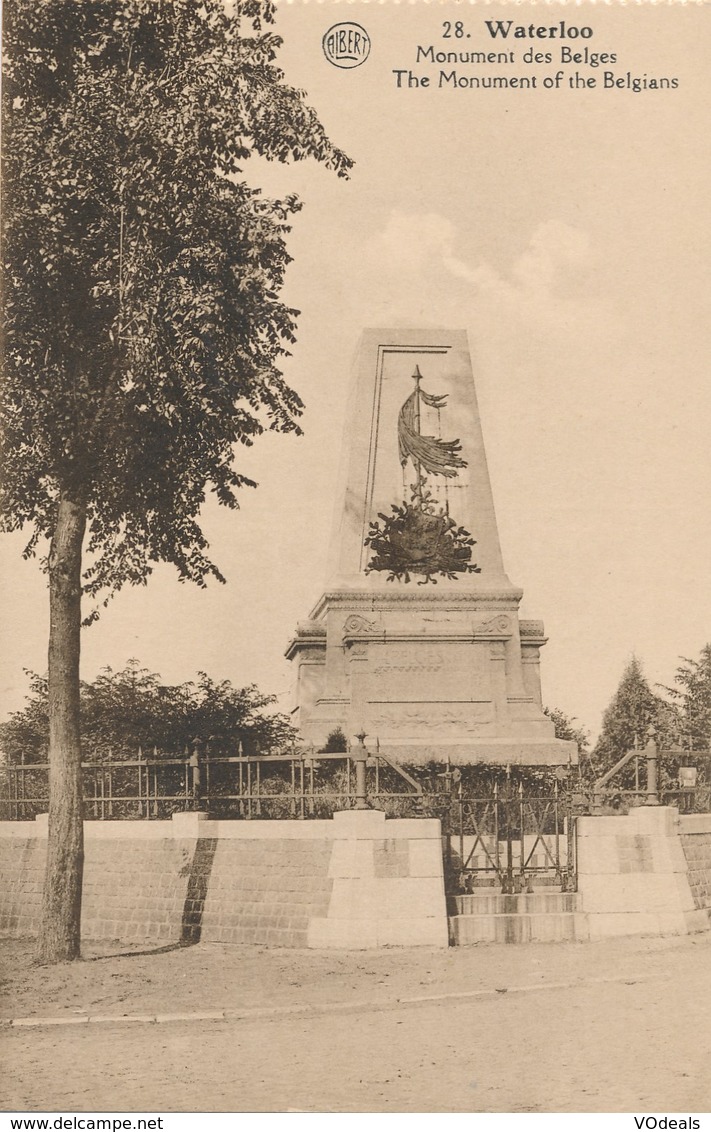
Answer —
565 728
26 732
144 326
121 711
692 696
335 742
625 724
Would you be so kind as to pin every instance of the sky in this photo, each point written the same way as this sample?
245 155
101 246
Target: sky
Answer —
567 231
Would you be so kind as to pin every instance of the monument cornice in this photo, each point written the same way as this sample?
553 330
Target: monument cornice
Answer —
422 638
357 628
299 644
481 599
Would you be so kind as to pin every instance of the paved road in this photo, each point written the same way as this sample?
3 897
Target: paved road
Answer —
619 1046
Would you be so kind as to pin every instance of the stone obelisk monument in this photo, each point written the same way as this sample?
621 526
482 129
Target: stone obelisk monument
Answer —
416 640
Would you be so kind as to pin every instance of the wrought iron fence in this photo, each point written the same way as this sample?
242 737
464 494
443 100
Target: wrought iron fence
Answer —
517 839
304 783
661 777
299 784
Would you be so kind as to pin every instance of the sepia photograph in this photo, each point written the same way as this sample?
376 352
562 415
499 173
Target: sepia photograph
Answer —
355 595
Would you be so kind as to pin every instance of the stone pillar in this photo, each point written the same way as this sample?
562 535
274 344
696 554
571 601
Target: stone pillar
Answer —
531 663
633 875
388 884
358 674
498 681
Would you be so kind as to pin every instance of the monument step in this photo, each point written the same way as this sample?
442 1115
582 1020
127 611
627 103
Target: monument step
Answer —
494 904
543 882
518 927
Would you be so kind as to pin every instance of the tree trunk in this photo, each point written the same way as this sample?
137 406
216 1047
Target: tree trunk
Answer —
60 929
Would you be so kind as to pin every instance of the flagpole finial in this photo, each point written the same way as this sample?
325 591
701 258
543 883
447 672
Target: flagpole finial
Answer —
417 375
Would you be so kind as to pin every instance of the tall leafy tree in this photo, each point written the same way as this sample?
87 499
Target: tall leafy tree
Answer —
633 709
144 328
692 696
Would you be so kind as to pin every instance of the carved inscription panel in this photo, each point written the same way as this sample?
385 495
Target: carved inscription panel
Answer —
415 720
441 671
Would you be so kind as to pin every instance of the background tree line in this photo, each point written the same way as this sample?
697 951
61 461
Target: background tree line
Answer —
123 710
680 715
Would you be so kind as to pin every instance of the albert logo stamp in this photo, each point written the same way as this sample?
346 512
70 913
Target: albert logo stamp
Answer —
346 45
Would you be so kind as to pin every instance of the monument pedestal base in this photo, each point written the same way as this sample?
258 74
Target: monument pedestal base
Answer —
429 677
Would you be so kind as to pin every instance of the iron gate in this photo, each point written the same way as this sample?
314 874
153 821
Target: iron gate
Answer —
517 839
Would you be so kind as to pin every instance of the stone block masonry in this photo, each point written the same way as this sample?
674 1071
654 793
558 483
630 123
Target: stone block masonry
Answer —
266 892
271 883
636 873
22 865
696 843
136 890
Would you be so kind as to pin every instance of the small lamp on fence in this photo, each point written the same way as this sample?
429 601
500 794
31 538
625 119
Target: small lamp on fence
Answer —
688 776
359 756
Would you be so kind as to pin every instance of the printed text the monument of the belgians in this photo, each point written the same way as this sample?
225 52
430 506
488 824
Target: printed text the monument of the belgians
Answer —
508 56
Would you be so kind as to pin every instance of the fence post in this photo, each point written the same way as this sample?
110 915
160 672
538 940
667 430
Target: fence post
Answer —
652 756
140 785
446 820
196 774
360 756
302 783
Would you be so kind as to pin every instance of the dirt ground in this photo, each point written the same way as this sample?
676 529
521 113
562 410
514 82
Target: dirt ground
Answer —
619 1026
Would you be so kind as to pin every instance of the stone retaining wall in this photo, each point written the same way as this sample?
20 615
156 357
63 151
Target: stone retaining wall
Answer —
275 883
358 880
